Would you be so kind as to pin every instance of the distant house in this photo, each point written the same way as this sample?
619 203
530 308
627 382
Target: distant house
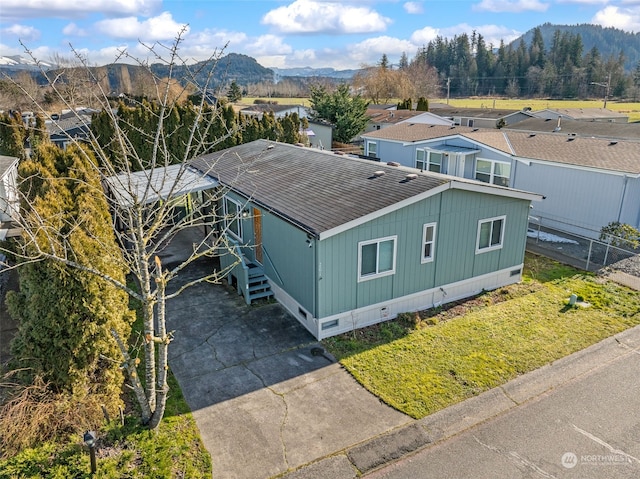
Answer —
480 117
9 206
320 134
587 182
64 131
379 119
279 111
344 243
583 114
69 126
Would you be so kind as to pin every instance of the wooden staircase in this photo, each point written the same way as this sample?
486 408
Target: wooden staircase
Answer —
258 286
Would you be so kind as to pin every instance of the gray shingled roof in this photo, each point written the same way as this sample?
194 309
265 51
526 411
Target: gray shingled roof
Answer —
601 129
620 155
491 113
584 113
314 189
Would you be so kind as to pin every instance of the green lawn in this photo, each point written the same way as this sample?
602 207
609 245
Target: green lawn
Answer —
421 366
124 450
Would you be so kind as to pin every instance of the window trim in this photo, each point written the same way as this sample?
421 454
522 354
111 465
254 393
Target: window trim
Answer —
492 174
377 274
375 152
426 161
238 218
491 247
423 258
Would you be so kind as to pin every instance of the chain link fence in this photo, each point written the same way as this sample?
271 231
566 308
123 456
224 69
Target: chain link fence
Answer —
582 252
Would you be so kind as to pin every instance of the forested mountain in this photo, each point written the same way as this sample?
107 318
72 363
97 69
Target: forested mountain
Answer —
559 68
132 79
609 41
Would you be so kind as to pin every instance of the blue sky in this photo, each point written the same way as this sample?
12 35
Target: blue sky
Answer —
284 33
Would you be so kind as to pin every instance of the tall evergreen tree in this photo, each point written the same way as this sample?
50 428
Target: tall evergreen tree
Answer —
65 315
346 112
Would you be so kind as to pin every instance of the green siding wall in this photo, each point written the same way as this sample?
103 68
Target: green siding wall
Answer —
288 260
456 213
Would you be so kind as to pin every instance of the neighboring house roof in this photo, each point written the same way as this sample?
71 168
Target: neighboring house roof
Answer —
271 107
390 116
6 164
322 192
582 113
600 129
155 184
69 125
382 106
485 113
622 156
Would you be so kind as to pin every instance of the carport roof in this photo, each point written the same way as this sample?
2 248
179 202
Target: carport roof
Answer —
148 186
323 192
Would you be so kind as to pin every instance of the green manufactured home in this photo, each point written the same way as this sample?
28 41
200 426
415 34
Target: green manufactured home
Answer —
344 242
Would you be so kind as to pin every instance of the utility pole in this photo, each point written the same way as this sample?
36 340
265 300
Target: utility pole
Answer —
606 86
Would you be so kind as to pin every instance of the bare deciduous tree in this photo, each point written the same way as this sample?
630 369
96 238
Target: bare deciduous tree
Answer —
145 206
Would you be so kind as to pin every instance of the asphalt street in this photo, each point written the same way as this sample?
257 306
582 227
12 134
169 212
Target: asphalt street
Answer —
587 428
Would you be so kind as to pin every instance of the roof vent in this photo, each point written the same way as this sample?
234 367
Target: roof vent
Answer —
270 147
475 129
393 163
531 135
571 138
613 142
411 176
378 173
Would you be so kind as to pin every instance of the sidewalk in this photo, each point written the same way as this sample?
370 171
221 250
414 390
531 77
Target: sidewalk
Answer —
375 452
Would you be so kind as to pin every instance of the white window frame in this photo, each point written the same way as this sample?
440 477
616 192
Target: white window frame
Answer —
229 220
375 149
426 160
492 174
491 247
425 228
377 274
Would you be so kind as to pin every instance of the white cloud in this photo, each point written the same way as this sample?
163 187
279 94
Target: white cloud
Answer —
512 6
627 19
413 8
73 30
425 35
268 45
76 8
492 34
22 32
309 16
369 51
162 27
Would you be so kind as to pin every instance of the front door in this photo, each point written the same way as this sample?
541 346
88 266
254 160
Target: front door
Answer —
257 234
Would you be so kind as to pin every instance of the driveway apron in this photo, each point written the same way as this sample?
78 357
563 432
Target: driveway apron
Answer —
263 401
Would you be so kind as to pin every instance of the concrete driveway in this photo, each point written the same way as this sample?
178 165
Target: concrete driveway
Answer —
263 402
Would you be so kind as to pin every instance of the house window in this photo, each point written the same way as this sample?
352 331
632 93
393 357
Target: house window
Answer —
495 172
429 160
372 149
232 217
428 242
490 234
376 258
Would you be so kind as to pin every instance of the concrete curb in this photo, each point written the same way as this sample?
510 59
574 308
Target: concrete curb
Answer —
389 447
